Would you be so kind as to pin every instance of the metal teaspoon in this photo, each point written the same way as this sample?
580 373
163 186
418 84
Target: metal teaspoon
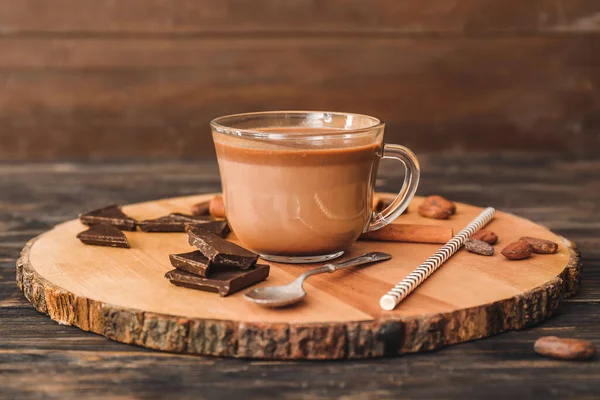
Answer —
279 296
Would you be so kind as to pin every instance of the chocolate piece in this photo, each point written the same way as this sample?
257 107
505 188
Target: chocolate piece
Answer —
224 281
111 215
220 251
104 235
201 208
161 224
193 262
188 217
219 228
177 223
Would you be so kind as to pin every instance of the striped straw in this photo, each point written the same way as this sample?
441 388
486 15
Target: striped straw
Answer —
391 299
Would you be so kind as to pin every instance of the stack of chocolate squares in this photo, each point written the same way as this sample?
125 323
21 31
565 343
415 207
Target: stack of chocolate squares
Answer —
217 266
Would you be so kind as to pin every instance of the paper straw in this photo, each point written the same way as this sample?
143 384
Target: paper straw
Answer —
391 299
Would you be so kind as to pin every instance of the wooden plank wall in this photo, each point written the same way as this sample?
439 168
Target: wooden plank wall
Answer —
103 79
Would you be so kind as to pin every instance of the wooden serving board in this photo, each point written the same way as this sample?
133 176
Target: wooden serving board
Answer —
122 294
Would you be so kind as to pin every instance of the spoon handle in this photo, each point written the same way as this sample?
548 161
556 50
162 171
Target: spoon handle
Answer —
360 260
315 271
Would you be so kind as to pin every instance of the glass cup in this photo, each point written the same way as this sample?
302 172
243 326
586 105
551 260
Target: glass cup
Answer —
298 185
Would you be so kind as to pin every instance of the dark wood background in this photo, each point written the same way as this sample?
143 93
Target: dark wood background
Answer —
101 79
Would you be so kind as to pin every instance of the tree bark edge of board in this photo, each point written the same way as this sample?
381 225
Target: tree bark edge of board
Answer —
343 340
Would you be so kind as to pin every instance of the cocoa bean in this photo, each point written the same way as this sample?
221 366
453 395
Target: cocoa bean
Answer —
565 349
479 247
217 207
487 236
517 250
434 212
441 202
201 208
541 246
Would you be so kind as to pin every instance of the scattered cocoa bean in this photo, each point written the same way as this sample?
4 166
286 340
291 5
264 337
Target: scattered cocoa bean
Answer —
517 250
441 202
217 207
437 207
541 246
487 236
564 349
479 247
201 208
434 212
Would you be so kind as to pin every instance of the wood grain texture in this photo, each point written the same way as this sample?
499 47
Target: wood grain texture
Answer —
39 358
121 294
355 17
103 79
99 98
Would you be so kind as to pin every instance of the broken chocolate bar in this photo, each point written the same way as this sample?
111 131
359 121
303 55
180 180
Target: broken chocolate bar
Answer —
220 251
192 217
223 281
177 223
219 228
103 235
193 262
111 215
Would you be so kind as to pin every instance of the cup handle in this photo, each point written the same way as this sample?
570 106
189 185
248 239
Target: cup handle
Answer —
407 192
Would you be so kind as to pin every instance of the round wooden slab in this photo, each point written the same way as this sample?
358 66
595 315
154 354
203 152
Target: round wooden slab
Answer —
122 294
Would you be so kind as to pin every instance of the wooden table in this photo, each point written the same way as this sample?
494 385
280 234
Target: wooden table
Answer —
40 358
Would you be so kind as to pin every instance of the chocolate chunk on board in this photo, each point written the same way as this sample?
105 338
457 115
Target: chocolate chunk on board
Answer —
219 228
162 224
193 262
111 215
104 235
177 223
220 251
223 281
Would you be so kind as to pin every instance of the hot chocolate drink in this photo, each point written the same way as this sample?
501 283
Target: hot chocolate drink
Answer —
287 199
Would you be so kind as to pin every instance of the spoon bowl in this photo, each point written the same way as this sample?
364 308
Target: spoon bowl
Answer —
276 296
